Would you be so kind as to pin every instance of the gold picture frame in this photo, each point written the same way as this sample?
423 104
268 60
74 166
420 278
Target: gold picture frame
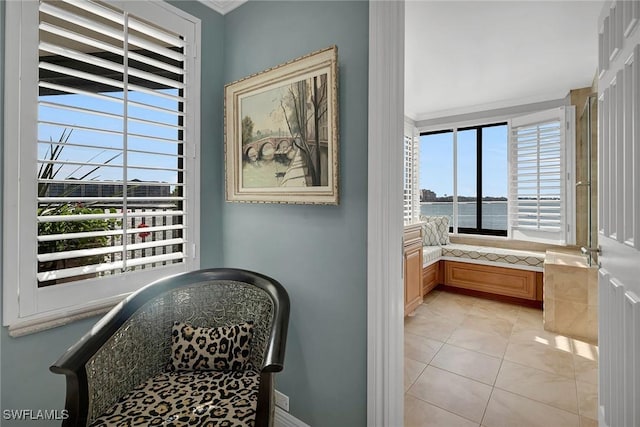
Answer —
281 133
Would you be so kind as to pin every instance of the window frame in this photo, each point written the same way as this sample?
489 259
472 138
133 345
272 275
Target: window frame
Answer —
569 134
478 230
27 308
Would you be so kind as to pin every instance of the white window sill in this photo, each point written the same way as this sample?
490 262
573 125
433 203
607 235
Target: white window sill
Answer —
46 321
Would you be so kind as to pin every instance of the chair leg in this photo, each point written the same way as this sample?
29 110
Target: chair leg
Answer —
265 410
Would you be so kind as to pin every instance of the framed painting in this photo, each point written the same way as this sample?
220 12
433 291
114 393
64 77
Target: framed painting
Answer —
281 133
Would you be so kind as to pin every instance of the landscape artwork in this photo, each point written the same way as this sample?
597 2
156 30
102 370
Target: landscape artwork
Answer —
281 138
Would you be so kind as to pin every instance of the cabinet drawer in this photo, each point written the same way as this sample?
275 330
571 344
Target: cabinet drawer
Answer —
412 234
496 280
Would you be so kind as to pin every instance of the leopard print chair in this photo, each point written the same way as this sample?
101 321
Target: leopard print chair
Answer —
133 369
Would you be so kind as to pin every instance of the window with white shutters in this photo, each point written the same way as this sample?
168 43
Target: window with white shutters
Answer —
411 197
111 151
540 193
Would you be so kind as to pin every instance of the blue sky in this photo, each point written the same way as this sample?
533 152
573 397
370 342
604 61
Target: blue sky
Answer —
157 147
436 162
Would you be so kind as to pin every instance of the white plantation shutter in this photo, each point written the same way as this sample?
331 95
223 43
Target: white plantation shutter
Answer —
411 196
115 144
540 189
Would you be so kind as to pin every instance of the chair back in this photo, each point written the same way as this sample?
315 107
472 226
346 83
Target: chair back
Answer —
135 336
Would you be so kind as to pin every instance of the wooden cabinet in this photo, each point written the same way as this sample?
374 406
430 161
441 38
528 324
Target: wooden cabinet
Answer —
509 282
412 244
431 277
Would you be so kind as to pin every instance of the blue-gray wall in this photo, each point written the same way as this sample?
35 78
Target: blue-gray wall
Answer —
211 136
317 252
26 382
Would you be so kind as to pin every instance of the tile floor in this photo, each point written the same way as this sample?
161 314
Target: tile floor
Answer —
475 362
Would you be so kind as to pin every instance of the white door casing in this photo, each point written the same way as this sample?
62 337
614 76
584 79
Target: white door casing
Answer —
619 214
385 292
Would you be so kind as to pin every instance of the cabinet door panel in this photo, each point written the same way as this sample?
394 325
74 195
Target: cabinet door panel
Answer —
412 278
430 277
496 280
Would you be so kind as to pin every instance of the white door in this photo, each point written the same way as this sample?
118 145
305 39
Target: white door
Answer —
619 213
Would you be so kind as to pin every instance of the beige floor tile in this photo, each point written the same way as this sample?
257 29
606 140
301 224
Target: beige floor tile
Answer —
431 296
541 357
534 384
445 309
419 348
418 413
485 324
529 319
465 300
506 409
584 349
588 422
495 309
545 387
412 370
543 338
462 396
483 342
586 369
588 399
467 363
434 327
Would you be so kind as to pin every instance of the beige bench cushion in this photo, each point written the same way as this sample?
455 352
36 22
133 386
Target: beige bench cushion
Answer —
511 257
430 254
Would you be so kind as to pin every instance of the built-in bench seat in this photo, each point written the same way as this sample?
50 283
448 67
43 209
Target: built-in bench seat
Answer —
513 258
493 271
431 254
508 273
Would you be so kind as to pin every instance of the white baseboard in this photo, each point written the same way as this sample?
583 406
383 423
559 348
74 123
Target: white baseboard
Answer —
284 419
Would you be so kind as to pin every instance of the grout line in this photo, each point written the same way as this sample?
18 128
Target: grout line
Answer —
493 387
421 336
541 402
538 401
458 375
473 351
417 376
484 413
541 370
481 352
445 409
499 369
463 376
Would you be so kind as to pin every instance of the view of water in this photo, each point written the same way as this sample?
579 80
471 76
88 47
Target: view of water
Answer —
494 214
263 173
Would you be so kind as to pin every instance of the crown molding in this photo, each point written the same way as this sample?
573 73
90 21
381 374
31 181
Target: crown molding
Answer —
510 103
223 6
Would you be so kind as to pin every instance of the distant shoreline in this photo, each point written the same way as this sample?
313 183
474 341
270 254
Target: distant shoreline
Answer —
459 202
494 212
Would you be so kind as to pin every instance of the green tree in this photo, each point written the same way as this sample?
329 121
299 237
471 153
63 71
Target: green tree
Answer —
247 130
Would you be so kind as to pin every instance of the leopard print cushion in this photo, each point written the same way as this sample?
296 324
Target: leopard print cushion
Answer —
225 348
203 398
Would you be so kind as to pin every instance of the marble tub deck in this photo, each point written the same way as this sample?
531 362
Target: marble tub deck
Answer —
570 296
475 362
